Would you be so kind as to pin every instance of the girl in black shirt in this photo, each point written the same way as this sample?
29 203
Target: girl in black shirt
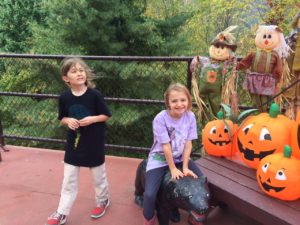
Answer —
84 111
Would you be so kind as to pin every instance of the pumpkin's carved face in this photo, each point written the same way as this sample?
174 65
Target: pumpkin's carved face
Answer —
260 136
279 176
217 137
295 139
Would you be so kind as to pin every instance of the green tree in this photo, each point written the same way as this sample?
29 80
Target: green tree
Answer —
105 27
16 17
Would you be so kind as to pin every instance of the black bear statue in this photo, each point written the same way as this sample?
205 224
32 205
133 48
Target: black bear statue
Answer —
188 193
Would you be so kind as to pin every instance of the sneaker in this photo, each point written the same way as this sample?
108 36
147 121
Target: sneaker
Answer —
196 219
56 219
99 211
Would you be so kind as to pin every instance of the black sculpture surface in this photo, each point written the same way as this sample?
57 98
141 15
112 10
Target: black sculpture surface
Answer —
187 193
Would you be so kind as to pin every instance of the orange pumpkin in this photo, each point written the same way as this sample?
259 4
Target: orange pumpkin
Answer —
217 136
262 135
295 137
278 175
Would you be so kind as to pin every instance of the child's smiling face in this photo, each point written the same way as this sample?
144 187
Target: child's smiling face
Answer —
178 103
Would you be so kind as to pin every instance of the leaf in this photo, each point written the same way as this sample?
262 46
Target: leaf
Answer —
227 109
245 114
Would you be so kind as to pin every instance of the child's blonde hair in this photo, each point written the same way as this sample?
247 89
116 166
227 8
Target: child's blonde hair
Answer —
180 88
66 65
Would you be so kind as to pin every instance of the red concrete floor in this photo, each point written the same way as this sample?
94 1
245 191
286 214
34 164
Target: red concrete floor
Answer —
30 182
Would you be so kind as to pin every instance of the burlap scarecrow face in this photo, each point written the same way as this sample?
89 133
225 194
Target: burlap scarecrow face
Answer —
267 37
223 45
218 52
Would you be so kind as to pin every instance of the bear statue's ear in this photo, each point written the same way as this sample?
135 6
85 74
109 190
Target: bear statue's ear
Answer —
203 179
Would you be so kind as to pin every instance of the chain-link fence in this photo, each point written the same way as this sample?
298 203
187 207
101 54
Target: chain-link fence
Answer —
133 88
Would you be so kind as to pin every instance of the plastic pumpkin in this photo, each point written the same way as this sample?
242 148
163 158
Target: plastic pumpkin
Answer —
295 139
278 175
262 135
217 136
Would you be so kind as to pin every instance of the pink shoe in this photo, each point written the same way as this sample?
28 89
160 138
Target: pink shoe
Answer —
196 219
56 219
149 222
99 211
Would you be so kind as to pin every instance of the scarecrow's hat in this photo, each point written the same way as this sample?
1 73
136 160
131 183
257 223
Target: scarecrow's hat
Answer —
226 38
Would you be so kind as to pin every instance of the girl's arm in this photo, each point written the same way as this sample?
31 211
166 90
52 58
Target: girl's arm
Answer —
246 62
186 157
175 173
93 119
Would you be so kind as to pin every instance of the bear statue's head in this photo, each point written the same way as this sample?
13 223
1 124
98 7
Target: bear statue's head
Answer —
188 193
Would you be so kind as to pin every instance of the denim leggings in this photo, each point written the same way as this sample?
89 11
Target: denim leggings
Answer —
153 180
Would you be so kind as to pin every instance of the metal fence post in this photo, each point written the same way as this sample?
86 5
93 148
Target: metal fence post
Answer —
189 76
2 141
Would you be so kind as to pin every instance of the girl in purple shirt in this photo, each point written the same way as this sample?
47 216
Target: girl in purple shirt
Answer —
173 131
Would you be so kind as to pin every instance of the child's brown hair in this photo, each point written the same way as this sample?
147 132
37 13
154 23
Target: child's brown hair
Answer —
67 63
180 88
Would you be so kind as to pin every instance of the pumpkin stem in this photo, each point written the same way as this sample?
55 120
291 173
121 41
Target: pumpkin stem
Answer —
287 152
220 115
274 110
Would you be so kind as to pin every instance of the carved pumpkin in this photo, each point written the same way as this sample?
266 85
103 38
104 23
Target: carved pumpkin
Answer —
278 175
217 136
295 137
262 135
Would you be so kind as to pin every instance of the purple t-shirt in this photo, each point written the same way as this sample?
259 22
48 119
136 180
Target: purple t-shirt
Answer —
168 130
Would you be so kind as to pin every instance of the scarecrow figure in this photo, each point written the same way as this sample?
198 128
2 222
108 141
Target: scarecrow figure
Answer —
293 94
213 73
265 65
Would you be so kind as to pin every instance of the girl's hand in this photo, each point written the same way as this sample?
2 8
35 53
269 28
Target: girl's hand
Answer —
176 174
188 172
87 121
72 123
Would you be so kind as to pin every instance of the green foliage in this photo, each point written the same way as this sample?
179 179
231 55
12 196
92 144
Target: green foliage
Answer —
132 125
16 17
213 16
104 27
34 117
116 27
30 76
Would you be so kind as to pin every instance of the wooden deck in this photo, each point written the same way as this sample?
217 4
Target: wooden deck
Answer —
30 182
